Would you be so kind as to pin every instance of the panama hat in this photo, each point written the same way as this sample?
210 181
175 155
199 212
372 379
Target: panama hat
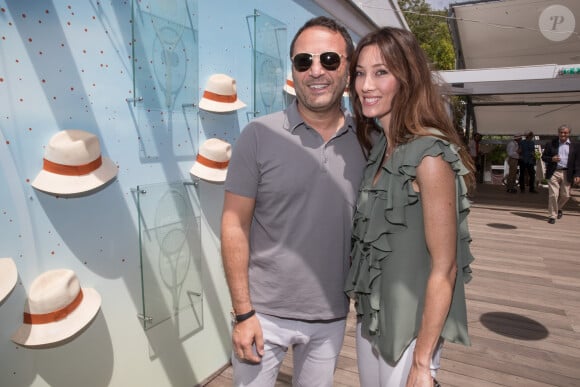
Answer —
220 95
57 308
289 85
8 277
212 160
73 164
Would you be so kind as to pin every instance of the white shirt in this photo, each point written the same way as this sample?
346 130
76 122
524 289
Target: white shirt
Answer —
563 150
512 149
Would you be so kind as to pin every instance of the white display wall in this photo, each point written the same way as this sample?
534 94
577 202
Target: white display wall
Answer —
82 65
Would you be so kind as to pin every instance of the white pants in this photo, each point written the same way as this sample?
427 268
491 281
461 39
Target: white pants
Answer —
315 346
375 371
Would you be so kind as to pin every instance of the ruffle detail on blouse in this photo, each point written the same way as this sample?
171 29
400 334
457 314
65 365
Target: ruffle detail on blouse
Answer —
370 243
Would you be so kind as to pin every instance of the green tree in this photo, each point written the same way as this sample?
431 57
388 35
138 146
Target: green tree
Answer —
431 30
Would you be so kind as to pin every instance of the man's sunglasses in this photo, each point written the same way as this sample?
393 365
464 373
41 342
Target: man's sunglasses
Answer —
329 60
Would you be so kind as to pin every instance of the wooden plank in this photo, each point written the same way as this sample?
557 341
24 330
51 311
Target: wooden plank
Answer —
523 302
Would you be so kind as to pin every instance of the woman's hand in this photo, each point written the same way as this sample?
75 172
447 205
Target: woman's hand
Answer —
420 377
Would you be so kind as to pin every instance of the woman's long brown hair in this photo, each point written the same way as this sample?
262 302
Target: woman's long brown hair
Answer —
418 104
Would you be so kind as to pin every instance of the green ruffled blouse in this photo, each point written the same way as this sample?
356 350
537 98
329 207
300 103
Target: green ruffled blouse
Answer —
390 259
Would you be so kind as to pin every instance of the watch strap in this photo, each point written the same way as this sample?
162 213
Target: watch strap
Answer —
243 317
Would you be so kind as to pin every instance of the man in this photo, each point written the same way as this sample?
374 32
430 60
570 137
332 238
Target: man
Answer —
513 152
528 163
562 168
290 194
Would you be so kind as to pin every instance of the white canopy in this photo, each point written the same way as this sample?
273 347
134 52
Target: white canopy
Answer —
521 61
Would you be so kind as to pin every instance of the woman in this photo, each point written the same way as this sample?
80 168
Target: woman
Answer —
410 254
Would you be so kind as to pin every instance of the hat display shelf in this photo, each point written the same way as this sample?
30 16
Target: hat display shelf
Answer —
289 85
170 254
220 95
211 163
8 277
57 309
73 165
269 49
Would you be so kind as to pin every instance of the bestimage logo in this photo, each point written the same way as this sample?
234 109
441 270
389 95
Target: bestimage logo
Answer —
557 23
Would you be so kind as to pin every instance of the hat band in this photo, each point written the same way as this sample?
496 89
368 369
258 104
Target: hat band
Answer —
72 170
212 164
55 316
220 97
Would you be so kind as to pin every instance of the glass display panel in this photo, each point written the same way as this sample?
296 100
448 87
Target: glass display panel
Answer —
165 76
170 249
270 49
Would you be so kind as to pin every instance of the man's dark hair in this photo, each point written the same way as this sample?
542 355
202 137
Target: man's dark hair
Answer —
331 24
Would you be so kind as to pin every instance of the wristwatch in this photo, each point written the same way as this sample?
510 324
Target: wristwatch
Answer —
238 318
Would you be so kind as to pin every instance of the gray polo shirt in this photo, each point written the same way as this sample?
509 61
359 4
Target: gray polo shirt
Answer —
305 192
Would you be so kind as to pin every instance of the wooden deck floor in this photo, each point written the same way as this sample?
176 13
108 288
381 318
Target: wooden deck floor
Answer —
523 302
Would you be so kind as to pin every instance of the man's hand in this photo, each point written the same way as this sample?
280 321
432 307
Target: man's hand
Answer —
245 336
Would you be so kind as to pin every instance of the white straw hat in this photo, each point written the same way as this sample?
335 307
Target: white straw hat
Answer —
212 160
8 277
289 85
73 164
57 308
220 95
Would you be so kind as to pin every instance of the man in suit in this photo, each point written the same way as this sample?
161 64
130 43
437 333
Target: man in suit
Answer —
528 163
562 160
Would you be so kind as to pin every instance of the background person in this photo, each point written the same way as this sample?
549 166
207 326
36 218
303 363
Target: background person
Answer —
528 163
410 237
562 168
476 156
286 226
513 154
